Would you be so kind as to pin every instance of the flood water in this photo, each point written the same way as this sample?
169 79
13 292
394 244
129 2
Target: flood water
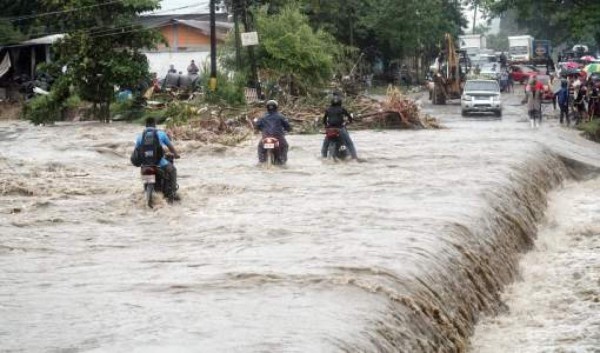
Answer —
403 253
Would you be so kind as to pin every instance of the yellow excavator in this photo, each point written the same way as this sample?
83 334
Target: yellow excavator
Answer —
449 72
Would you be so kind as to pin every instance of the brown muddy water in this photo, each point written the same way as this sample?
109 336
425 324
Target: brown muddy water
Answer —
403 253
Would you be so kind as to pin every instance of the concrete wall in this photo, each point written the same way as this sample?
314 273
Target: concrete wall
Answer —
160 61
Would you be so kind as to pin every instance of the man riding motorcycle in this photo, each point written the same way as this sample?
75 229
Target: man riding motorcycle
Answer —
334 118
150 144
273 125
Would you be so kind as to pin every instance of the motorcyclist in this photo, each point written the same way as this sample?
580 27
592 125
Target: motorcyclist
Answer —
334 118
150 143
273 124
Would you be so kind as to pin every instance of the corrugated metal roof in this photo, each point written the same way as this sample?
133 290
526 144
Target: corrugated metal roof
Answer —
51 39
223 28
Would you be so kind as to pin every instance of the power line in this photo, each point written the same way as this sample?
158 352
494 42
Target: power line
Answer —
91 30
44 14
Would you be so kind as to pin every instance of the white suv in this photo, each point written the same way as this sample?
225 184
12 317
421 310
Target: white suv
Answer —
481 96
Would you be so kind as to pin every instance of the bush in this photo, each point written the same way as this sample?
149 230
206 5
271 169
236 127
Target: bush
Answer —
43 110
229 91
591 130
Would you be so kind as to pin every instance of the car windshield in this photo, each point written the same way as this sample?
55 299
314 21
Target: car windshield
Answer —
489 68
490 86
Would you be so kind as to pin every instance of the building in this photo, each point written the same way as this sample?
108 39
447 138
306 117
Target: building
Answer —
187 38
21 61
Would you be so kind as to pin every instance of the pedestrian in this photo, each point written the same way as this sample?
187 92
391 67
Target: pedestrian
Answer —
579 101
594 100
510 87
562 97
503 60
533 96
193 69
172 69
405 76
504 80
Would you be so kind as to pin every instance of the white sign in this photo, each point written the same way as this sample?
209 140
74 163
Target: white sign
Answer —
249 38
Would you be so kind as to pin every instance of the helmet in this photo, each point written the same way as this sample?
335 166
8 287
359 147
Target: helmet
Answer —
336 100
272 106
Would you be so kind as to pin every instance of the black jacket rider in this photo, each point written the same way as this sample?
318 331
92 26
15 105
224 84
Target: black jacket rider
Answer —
334 116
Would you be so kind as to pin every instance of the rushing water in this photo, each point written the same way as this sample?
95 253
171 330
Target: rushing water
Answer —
556 305
402 253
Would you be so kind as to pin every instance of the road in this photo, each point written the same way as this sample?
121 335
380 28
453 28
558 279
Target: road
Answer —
402 253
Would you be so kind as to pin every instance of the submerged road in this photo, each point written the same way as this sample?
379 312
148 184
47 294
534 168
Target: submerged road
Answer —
403 253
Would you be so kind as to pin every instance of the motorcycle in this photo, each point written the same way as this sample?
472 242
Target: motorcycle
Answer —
271 145
154 181
336 148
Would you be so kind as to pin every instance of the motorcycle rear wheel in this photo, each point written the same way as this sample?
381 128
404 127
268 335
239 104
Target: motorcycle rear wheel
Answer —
270 158
331 151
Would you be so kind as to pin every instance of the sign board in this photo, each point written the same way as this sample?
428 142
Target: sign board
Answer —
249 38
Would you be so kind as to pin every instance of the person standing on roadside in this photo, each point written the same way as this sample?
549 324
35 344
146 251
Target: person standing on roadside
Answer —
533 97
193 69
562 97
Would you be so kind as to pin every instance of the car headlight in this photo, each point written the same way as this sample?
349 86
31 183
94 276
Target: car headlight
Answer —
467 98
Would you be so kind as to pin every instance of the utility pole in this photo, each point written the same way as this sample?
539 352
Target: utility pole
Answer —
474 16
213 47
248 24
238 41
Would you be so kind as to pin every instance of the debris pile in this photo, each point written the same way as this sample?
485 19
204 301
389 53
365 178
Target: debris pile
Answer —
230 126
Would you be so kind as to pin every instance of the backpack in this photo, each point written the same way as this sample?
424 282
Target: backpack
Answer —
151 151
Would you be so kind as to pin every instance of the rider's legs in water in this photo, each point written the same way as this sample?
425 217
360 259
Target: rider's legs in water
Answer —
346 137
281 154
170 182
325 147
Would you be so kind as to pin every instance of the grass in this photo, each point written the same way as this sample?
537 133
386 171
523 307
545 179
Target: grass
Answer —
591 129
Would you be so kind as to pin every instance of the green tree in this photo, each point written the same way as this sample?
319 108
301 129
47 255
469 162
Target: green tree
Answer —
561 21
18 20
103 46
291 51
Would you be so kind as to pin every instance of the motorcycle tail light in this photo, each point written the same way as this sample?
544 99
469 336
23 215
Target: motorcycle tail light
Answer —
148 171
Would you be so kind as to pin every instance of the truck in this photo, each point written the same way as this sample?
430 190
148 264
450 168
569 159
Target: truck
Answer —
473 44
541 51
520 48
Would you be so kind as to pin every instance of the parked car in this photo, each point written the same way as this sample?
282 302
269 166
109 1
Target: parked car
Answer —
481 96
521 73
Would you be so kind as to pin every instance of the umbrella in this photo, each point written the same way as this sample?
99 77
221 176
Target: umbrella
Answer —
571 65
592 68
570 72
587 58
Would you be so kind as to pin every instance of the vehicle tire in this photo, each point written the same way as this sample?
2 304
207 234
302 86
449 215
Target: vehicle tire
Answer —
150 195
498 114
331 151
464 113
270 158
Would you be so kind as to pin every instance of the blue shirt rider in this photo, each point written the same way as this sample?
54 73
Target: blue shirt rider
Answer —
168 169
